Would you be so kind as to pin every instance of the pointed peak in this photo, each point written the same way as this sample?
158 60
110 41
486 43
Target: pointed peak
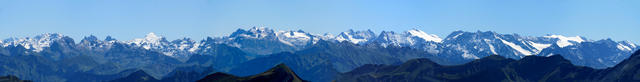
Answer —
90 38
369 30
414 29
350 30
152 35
109 38
281 68
386 32
138 76
282 65
425 36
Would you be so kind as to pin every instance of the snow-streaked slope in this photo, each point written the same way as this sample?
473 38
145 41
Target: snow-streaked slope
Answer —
623 47
538 46
516 47
493 49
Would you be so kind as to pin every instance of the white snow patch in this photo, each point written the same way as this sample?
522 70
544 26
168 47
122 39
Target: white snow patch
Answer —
146 47
183 46
297 35
168 54
285 42
490 46
549 55
623 47
518 48
356 41
293 38
350 38
564 41
195 47
340 39
538 46
425 36
600 60
470 56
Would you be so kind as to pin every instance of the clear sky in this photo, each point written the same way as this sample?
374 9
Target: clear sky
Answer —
128 19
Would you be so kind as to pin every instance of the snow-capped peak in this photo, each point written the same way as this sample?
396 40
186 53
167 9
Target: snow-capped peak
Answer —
294 38
36 43
356 36
255 32
152 37
566 41
150 40
425 36
294 34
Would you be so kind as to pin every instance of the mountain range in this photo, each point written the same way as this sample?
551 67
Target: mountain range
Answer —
55 57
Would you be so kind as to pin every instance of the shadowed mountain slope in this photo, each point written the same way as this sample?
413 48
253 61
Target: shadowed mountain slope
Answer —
495 69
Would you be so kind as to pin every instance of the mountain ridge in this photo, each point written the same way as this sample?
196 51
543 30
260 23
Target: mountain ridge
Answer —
496 68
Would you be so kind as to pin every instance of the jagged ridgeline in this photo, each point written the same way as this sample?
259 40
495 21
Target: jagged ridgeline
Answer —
58 58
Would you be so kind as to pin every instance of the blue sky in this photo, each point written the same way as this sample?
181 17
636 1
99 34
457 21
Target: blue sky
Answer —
128 19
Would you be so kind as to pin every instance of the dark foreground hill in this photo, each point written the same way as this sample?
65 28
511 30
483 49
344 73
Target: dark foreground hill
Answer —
279 73
496 69
11 78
